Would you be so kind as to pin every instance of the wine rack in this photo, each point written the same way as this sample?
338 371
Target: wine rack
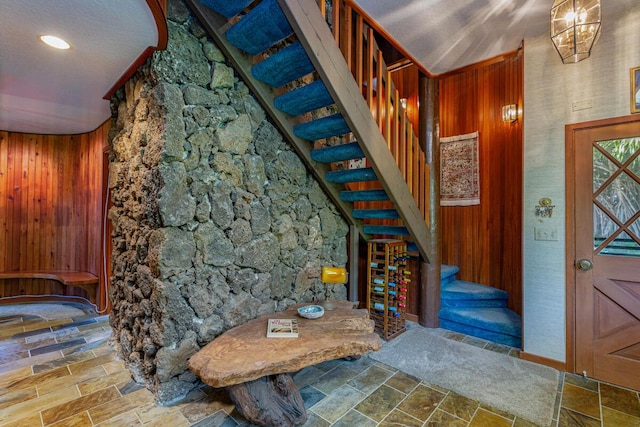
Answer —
388 281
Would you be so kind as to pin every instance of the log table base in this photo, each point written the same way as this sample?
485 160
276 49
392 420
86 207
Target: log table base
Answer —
255 369
273 400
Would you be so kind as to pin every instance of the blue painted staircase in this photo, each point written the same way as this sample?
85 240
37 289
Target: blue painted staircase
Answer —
244 31
477 310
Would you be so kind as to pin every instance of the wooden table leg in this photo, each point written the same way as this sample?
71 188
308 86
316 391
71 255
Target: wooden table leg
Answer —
273 400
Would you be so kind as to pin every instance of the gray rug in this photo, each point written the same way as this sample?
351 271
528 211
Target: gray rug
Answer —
45 310
521 388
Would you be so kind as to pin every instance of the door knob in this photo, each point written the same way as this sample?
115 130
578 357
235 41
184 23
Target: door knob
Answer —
585 264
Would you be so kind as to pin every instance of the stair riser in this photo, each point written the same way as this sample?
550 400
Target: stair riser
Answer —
448 279
472 303
473 331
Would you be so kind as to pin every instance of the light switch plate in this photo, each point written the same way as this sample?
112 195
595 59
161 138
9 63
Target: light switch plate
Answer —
545 233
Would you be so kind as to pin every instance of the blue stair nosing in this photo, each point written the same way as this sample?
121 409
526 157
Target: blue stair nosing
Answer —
375 214
386 230
304 99
470 290
499 320
264 26
284 66
322 128
363 196
227 8
351 175
338 153
448 273
504 339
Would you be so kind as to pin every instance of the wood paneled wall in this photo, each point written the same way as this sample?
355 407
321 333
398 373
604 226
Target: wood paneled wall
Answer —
406 81
485 240
51 200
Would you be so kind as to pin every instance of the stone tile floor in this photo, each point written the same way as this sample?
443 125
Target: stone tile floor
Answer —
64 372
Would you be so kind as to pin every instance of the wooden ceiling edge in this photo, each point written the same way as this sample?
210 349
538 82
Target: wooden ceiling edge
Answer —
384 33
158 9
494 60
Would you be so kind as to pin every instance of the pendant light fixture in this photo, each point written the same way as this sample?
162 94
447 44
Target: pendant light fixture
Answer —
575 28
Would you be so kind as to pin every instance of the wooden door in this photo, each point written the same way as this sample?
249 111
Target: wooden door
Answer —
607 252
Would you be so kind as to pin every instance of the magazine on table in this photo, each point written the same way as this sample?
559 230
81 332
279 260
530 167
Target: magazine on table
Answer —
282 328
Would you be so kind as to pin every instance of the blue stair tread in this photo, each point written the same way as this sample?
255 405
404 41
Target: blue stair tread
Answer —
261 28
469 290
351 175
504 339
284 66
500 320
322 128
337 153
363 195
227 8
375 213
386 230
304 99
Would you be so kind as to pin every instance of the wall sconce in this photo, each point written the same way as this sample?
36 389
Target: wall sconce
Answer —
332 275
510 113
575 28
403 102
544 208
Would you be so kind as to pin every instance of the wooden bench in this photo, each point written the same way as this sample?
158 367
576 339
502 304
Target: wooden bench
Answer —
81 279
255 369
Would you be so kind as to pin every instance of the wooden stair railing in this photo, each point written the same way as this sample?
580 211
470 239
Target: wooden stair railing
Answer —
364 58
392 148
299 45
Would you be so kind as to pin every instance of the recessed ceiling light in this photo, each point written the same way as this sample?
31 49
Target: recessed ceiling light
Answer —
54 41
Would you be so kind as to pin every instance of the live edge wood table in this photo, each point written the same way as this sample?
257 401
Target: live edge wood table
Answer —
256 370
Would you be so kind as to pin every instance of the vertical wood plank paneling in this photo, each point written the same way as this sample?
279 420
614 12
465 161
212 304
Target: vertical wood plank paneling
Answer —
485 240
4 195
50 207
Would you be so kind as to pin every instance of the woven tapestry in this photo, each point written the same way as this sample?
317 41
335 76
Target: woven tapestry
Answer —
459 170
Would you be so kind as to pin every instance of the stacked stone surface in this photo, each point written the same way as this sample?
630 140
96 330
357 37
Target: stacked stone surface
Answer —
215 219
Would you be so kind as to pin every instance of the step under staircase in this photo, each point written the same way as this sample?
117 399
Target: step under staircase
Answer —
477 310
244 30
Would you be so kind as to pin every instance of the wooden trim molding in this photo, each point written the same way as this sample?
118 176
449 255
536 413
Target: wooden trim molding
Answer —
552 363
159 10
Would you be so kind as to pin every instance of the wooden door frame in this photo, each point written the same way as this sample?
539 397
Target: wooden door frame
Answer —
570 221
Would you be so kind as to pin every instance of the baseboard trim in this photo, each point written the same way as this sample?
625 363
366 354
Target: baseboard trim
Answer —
552 363
411 317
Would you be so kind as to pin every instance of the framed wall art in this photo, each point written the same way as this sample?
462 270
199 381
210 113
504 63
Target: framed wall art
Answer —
635 90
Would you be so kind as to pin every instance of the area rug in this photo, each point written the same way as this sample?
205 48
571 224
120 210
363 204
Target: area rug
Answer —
459 170
46 311
521 388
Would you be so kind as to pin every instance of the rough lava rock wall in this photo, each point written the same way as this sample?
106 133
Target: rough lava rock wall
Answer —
215 218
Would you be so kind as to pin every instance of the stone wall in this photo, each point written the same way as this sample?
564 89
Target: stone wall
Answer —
215 218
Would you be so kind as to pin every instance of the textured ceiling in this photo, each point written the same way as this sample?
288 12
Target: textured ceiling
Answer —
445 35
45 90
